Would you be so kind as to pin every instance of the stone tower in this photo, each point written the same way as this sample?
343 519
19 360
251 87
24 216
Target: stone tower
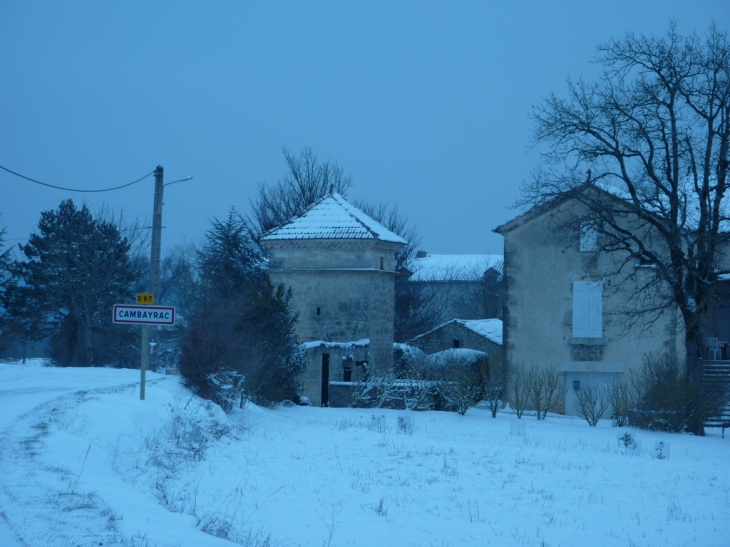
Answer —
340 264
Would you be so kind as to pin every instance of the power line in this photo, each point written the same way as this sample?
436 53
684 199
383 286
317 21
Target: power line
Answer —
75 189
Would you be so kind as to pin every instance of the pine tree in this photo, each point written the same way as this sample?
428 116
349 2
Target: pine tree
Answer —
76 267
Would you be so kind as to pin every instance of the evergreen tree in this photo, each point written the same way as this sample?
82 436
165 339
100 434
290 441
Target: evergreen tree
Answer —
239 341
76 267
4 287
230 260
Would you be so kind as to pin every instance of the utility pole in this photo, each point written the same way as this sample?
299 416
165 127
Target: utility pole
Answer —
156 235
156 245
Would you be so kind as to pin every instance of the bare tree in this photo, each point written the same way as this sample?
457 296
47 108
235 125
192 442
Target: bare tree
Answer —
307 180
653 134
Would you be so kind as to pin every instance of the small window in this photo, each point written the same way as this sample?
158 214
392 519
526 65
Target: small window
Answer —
319 311
588 237
457 343
347 374
382 263
576 385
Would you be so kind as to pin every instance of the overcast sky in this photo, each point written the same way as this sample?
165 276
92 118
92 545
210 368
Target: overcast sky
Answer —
424 104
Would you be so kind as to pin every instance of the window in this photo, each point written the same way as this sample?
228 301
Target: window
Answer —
588 237
319 311
382 263
457 343
587 309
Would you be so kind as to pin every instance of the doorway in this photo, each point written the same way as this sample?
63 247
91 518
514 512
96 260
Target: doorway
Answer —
325 379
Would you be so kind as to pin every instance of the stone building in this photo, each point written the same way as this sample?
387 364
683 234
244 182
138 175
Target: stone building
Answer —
466 286
480 334
561 312
340 264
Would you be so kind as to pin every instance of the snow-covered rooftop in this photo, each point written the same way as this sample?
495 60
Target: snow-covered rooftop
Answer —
433 267
333 217
490 329
364 342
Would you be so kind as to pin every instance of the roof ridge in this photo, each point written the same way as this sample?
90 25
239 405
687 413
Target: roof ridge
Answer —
375 234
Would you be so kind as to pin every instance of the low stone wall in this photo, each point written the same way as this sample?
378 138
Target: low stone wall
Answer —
341 397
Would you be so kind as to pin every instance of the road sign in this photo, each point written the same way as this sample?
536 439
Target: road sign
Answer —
143 315
145 298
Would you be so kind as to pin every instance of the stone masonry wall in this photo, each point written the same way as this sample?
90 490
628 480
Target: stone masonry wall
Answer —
443 338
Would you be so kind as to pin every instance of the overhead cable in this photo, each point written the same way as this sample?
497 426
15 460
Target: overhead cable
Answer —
75 189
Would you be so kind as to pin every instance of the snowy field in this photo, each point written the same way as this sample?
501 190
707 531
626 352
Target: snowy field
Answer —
84 462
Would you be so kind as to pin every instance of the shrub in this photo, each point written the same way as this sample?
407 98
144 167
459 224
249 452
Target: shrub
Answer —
619 398
668 399
244 348
494 371
592 403
519 388
546 390
462 388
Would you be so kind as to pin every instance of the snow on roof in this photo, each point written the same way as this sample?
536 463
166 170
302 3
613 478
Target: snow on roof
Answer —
433 267
342 345
333 217
464 356
491 329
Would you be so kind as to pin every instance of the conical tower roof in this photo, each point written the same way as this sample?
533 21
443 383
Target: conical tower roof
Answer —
333 217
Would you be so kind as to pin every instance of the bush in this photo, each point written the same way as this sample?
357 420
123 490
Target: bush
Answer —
619 399
668 399
494 371
462 386
239 340
546 390
244 348
519 383
592 403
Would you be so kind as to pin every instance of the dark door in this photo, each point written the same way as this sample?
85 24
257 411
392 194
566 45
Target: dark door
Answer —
325 379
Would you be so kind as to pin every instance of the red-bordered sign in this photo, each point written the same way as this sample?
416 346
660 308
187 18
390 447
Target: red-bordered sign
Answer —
143 315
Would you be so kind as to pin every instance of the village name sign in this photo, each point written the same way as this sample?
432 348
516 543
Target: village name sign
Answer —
143 315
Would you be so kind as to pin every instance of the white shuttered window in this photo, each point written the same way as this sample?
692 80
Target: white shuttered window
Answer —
587 309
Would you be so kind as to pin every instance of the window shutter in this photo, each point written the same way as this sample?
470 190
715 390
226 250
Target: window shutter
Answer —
587 309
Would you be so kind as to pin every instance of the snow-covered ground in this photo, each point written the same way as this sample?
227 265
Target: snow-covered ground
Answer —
84 462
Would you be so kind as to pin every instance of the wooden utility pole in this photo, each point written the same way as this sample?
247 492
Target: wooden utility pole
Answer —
156 249
156 235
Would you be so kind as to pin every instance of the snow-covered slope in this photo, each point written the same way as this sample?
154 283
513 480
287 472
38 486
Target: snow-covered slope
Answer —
85 462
